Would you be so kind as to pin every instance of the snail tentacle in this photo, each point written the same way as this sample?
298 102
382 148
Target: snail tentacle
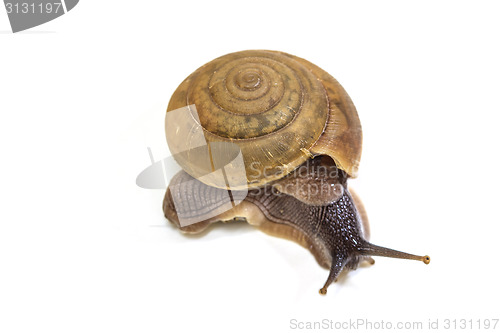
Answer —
338 263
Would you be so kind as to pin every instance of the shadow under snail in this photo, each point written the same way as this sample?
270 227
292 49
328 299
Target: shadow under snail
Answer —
299 137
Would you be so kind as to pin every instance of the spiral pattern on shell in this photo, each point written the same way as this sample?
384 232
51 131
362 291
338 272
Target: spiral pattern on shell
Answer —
242 97
273 105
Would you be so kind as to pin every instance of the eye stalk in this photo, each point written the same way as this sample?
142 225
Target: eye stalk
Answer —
379 251
368 249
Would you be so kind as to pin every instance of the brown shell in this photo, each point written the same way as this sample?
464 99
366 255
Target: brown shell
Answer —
279 110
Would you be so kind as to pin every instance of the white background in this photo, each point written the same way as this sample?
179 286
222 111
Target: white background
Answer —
83 249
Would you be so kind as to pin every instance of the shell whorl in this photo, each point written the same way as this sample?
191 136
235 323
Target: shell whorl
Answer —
249 97
273 105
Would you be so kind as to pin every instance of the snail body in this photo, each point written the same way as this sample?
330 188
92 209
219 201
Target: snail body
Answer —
299 137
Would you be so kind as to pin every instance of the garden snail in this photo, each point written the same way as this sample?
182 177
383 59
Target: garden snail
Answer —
299 138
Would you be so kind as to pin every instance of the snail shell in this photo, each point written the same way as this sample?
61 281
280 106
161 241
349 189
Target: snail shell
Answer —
279 109
285 115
